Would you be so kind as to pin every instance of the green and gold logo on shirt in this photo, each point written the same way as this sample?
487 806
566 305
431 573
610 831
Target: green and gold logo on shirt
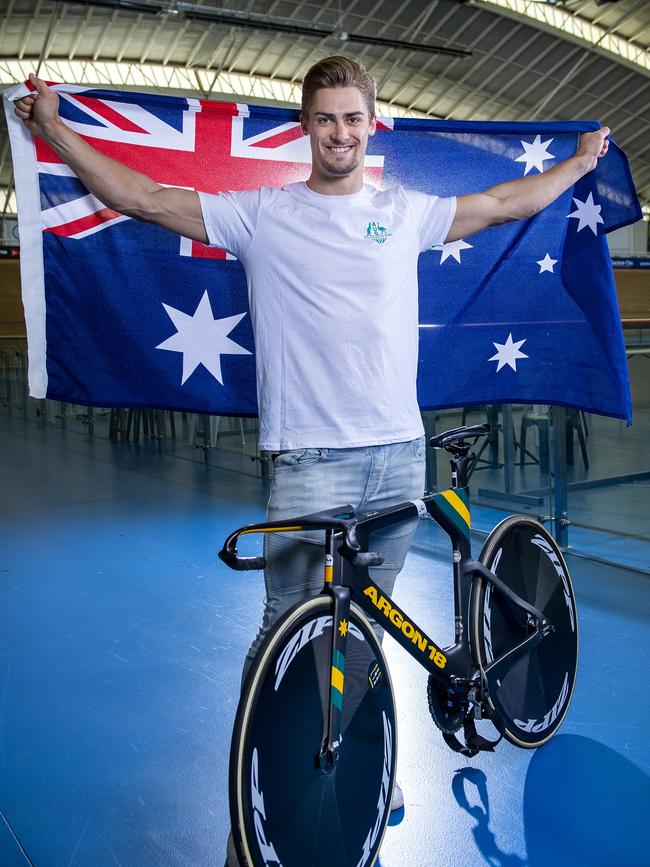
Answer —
377 233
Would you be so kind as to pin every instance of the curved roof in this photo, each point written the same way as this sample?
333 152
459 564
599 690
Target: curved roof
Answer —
577 59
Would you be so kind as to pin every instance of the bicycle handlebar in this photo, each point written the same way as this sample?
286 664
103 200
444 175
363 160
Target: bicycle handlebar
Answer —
363 558
240 564
342 520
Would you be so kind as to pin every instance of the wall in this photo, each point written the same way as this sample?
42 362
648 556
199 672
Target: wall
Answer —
12 320
633 289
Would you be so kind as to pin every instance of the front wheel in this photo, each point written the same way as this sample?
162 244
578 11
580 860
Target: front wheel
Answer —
533 696
284 809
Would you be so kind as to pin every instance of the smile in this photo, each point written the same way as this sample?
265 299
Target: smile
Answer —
339 150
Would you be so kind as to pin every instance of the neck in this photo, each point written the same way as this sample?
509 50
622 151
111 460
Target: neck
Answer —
331 185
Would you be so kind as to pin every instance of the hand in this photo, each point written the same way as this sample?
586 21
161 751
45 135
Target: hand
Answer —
38 110
593 146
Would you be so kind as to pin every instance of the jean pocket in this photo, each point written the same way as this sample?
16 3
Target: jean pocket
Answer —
297 458
419 448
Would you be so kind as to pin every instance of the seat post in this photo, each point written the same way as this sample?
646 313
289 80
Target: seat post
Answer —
455 442
459 465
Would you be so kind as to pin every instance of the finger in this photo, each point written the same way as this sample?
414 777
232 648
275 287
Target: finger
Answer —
25 103
38 83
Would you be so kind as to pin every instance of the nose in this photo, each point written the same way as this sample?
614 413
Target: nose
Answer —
340 131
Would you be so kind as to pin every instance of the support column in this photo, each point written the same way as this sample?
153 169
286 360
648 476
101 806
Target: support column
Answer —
560 504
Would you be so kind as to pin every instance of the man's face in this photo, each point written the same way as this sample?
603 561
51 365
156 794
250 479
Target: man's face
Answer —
338 125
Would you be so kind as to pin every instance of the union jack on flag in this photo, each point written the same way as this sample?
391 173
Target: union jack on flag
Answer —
120 124
107 117
103 293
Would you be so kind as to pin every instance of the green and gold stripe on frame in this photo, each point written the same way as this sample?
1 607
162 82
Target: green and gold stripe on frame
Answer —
455 505
338 679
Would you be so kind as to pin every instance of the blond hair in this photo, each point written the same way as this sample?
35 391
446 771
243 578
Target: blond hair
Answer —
338 71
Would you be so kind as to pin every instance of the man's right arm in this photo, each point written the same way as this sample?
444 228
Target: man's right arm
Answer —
117 186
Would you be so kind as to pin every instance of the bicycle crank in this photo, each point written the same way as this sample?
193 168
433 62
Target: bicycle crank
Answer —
445 708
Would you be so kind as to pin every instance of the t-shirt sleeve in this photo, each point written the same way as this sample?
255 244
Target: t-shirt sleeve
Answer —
230 219
434 216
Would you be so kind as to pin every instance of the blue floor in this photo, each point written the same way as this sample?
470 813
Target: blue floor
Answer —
121 643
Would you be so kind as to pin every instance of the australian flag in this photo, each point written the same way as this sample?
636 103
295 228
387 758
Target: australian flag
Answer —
118 311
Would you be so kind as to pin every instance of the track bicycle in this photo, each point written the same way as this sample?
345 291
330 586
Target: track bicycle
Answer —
314 748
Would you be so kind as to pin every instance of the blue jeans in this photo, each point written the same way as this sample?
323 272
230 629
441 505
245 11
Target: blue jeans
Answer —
309 480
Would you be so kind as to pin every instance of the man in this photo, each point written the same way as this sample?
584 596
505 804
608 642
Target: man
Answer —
332 278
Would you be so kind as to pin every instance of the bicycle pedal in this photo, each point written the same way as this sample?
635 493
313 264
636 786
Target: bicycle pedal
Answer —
476 704
474 742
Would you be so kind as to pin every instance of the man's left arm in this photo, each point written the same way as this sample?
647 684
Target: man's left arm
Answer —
525 197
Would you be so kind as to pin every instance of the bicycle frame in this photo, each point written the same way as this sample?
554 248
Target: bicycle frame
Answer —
455 667
450 666
347 580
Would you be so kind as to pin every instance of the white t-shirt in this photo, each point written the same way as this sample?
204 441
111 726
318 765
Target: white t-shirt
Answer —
332 284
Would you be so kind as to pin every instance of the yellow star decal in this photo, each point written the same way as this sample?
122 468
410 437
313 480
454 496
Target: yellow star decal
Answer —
343 627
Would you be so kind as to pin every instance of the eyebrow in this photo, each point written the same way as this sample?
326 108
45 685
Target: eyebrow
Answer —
347 114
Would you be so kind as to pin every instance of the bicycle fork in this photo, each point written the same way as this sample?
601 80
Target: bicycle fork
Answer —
332 736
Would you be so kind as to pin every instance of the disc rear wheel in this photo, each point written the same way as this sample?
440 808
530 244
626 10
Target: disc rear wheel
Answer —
532 698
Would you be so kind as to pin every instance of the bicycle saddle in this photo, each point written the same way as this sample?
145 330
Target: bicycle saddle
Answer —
441 441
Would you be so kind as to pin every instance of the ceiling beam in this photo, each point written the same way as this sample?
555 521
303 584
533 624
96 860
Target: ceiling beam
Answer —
261 22
153 36
31 22
104 34
6 19
554 19
198 45
443 20
413 32
498 68
457 34
271 10
80 29
526 69
313 51
174 42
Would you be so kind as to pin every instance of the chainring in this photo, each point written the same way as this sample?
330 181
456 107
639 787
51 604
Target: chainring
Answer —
446 710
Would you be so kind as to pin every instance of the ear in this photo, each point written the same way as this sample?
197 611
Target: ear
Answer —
372 129
303 124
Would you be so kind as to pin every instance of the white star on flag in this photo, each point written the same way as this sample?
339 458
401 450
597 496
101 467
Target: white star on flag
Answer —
202 339
588 214
535 154
546 264
508 353
453 248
